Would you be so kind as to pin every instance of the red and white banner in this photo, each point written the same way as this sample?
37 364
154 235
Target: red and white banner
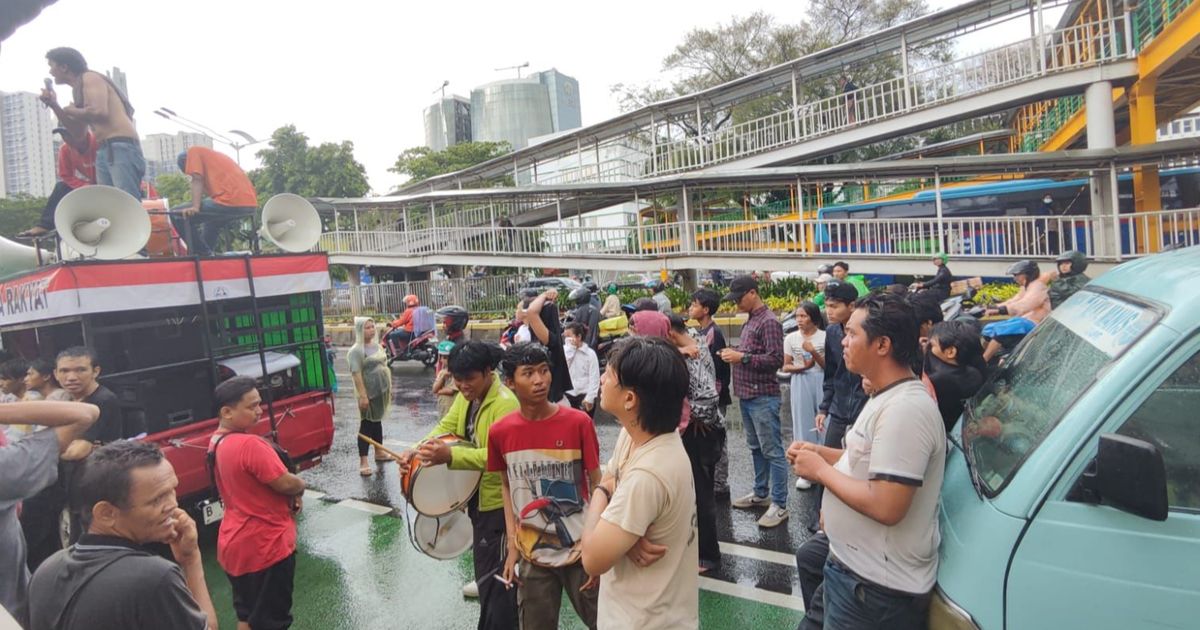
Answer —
80 288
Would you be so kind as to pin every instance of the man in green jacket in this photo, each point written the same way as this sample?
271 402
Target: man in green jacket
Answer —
841 273
481 400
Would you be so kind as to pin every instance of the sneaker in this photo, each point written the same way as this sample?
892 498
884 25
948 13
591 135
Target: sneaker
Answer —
750 501
471 589
803 484
773 517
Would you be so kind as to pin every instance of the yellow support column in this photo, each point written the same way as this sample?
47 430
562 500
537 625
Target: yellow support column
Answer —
1143 129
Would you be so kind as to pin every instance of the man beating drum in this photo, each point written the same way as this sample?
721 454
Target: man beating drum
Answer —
481 400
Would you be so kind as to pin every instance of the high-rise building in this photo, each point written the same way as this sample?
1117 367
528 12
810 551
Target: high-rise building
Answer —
118 79
515 110
26 133
447 123
564 99
162 149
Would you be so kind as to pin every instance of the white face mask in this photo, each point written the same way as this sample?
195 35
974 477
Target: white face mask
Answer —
1047 200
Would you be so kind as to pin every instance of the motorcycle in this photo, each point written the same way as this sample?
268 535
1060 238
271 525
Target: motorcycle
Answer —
422 348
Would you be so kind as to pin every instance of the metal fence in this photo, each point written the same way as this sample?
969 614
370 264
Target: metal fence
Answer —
1104 237
477 295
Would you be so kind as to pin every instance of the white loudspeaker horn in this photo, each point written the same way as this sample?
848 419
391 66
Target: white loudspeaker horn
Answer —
15 257
291 223
102 222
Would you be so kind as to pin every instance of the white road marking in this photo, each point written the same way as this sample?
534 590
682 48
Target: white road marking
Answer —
755 553
753 594
363 506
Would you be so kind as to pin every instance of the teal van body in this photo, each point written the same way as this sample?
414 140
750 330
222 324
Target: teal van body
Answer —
1027 541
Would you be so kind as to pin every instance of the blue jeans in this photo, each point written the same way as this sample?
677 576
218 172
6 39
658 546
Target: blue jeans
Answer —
121 165
760 416
853 603
207 224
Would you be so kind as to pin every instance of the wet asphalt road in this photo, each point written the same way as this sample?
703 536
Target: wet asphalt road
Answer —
756 582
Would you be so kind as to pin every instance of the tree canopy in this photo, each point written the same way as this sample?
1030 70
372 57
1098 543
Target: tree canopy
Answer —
421 163
711 56
290 164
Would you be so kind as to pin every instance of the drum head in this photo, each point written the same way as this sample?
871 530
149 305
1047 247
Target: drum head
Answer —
437 490
443 537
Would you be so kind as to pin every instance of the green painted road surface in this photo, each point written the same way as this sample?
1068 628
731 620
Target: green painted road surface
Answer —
356 569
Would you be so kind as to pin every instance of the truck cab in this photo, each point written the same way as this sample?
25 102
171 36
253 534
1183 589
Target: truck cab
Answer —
1072 489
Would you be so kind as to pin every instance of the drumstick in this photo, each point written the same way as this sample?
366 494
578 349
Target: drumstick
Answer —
379 446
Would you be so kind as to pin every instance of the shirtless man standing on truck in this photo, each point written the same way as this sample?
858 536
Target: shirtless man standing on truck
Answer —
97 102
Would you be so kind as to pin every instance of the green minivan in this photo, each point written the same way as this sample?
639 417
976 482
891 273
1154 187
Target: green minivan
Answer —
1072 489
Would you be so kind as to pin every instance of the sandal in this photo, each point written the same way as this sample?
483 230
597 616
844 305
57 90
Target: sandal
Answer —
365 471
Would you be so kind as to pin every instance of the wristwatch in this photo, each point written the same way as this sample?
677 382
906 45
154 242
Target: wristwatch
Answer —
745 359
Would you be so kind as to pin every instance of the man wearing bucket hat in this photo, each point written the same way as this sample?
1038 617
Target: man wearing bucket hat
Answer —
758 356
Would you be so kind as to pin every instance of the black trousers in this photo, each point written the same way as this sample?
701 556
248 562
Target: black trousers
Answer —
704 450
576 402
371 429
39 522
835 431
497 605
56 195
810 564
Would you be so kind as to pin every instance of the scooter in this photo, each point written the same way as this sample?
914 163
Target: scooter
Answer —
422 348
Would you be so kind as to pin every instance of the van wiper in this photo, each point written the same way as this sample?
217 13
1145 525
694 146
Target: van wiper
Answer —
968 449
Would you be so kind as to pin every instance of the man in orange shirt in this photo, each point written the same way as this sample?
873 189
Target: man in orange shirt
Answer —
221 193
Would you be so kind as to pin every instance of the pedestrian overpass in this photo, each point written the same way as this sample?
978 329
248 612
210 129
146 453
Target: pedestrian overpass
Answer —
978 245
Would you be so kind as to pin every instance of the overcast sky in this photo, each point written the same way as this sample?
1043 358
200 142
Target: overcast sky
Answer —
359 70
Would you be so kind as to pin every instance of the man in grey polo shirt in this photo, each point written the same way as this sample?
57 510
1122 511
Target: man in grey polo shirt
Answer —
881 491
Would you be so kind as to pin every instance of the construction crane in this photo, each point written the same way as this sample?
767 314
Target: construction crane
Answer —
517 68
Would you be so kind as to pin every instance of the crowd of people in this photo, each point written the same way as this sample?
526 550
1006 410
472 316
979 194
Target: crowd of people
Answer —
876 380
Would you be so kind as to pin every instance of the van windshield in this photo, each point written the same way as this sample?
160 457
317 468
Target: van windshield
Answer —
1028 396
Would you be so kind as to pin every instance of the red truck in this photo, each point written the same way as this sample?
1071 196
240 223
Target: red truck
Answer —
167 331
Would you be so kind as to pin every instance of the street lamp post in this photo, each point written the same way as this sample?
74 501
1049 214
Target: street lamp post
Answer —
237 146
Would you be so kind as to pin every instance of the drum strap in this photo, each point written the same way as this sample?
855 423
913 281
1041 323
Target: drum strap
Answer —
472 414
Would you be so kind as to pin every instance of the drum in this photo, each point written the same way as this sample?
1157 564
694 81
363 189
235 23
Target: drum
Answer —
443 537
436 490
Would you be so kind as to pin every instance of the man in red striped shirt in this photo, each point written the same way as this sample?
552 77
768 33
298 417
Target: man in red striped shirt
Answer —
76 168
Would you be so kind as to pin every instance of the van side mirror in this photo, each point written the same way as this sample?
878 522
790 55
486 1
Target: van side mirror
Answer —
1128 474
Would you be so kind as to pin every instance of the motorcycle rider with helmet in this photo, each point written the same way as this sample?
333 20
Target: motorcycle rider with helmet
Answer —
586 313
594 290
939 285
402 327
1028 307
454 320
1068 277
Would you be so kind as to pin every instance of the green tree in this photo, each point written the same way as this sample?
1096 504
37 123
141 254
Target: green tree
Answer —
421 163
289 164
19 213
708 57
175 187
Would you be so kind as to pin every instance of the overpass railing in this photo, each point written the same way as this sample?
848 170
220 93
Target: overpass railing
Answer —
1103 237
1067 49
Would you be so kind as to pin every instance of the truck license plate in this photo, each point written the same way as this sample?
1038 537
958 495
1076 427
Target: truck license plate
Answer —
213 512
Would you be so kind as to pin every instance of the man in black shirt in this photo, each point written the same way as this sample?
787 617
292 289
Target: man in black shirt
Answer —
939 285
77 369
126 495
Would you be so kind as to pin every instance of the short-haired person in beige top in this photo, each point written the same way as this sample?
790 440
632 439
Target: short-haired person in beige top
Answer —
881 490
639 535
